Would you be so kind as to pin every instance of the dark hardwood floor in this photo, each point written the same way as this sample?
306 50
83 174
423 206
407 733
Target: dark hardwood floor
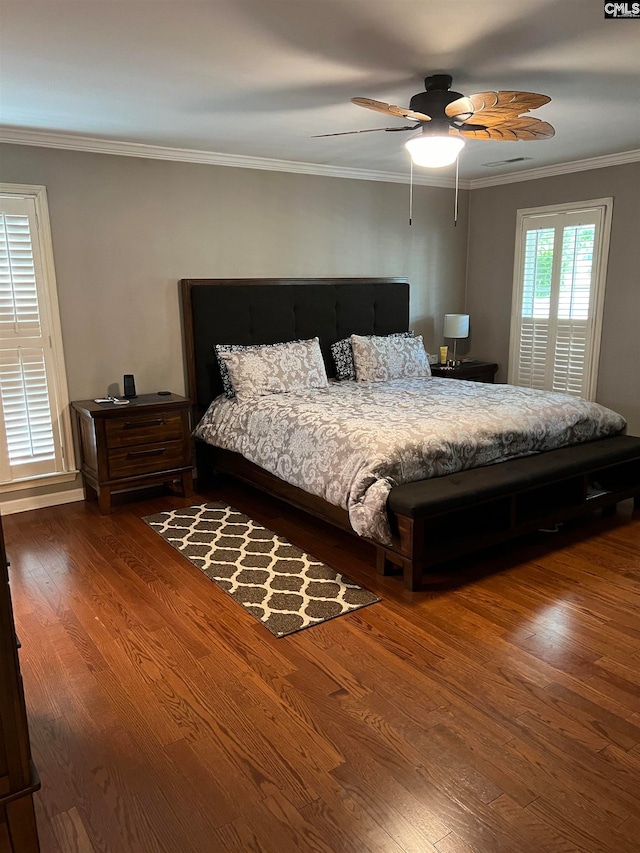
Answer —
498 711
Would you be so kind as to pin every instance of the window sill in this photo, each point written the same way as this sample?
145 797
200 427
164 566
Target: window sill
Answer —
35 482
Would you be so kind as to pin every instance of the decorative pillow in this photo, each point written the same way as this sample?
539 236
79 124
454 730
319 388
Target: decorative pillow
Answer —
379 359
342 354
275 369
227 386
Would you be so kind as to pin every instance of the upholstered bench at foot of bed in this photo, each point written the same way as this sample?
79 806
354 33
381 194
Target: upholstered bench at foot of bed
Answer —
445 517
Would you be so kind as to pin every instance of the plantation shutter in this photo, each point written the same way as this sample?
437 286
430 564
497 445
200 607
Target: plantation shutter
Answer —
557 302
30 442
535 310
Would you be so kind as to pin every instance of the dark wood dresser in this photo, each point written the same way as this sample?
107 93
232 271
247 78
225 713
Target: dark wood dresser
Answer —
18 777
473 371
144 442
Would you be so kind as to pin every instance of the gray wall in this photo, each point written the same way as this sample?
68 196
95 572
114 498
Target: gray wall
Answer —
492 230
126 229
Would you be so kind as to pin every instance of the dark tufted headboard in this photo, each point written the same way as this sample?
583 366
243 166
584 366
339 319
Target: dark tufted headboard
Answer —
267 310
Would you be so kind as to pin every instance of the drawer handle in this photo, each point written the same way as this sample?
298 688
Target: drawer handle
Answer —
135 424
136 454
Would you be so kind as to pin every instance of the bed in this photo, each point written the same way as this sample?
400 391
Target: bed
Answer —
429 520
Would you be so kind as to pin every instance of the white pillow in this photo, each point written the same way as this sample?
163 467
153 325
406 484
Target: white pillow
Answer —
277 369
379 359
342 355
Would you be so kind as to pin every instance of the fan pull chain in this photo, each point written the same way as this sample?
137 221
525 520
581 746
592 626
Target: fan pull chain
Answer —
455 204
411 193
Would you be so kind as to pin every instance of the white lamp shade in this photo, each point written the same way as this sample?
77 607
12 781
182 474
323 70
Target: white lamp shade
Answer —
456 325
434 151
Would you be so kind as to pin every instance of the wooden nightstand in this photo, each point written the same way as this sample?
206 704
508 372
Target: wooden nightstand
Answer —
474 371
144 442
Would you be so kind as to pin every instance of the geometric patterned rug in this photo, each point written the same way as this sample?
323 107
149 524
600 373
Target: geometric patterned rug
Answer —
283 587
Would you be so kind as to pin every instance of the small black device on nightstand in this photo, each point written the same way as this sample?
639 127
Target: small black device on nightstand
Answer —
129 387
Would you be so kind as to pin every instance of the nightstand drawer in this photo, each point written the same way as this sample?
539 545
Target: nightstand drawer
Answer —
147 459
144 429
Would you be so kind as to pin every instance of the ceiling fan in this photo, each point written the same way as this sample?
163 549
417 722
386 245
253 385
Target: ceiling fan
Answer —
444 119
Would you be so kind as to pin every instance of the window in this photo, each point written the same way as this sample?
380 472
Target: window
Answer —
35 430
558 296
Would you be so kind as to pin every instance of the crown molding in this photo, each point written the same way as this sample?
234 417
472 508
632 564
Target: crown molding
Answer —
43 139
559 169
95 145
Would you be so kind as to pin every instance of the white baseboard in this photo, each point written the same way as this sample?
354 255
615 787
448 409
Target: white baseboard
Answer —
40 501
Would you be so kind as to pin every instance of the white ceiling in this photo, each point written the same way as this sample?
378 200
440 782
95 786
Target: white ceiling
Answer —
259 77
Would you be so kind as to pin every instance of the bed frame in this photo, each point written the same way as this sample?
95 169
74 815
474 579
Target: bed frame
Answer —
432 521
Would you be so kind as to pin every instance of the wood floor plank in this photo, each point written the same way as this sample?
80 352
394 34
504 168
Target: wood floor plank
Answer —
615 783
71 833
580 702
548 838
240 837
346 826
566 782
455 805
581 832
279 820
398 814
452 843
208 792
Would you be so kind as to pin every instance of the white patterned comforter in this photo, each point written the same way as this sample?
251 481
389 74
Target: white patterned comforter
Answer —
352 442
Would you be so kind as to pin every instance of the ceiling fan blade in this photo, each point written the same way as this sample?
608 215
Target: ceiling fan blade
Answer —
512 130
368 130
496 107
518 102
389 109
468 126
462 109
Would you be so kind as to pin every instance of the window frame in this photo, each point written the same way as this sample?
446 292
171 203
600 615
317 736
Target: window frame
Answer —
601 260
50 312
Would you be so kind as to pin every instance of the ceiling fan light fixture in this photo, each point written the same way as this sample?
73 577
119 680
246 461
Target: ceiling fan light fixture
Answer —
433 150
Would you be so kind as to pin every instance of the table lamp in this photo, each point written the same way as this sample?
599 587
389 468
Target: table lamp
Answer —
456 326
